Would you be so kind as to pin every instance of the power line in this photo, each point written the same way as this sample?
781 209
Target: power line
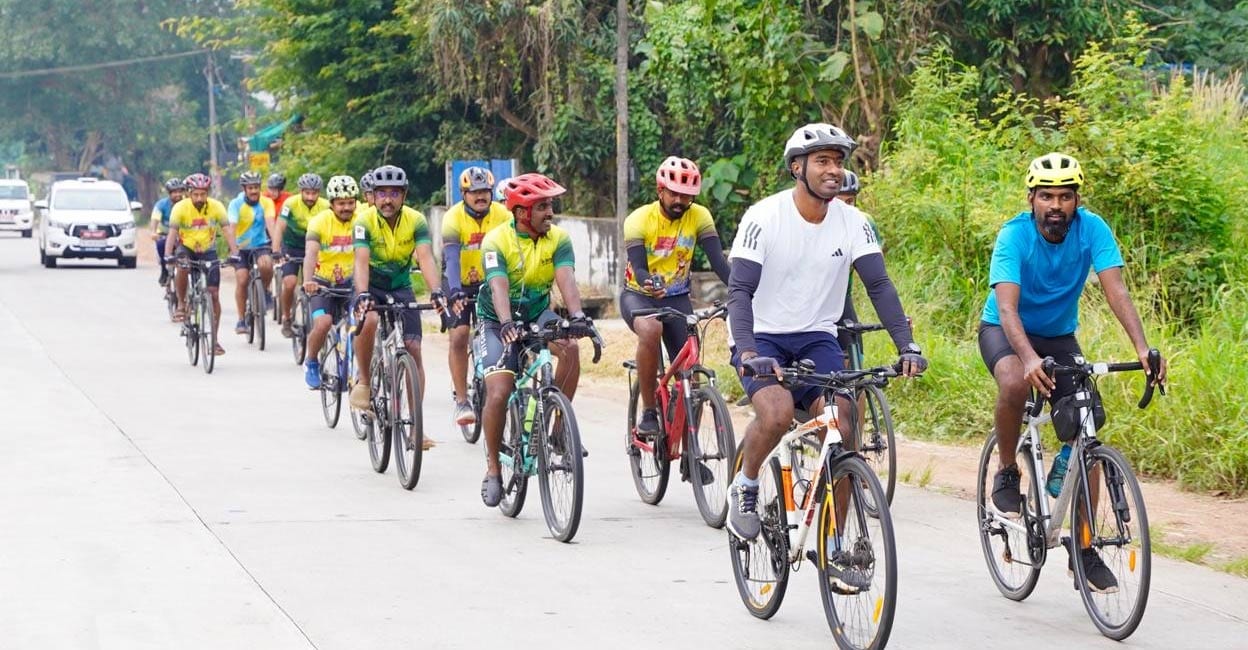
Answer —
96 66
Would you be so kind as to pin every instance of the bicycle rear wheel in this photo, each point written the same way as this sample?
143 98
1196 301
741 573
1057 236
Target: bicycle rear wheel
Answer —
190 331
560 468
515 479
171 298
709 451
299 327
277 293
257 309
650 468
207 334
761 565
877 444
407 422
331 391
476 399
1014 556
1116 529
861 544
379 432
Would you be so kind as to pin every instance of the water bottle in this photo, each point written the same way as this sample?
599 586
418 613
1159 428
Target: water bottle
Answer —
1058 473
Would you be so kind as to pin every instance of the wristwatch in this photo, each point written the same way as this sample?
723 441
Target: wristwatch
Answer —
912 348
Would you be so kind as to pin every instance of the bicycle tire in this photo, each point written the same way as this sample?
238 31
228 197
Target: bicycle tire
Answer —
476 400
650 470
331 392
561 469
407 422
249 309
865 619
515 480
277 294
878 444
207 335
1015 579
771 566
361 423
379 432
171 298
190 331
257 310
1131 564
298 325
714 449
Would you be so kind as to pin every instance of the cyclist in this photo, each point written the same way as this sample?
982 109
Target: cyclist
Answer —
328 261
366 188
791 261
522 260
252 216
292 230
160 220
275 189
193 227
463 228
1039 266
387 236
660 238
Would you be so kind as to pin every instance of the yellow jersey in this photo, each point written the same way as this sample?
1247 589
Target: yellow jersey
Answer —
197 229
296 214
669 243
390 249
529 266
458 227
336 260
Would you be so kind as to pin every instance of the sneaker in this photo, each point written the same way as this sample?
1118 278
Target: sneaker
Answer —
743 511
164 276
361 397
1100 578
463 414
240 327
1005 494
492 490
649 425
288 330
312 374
844 574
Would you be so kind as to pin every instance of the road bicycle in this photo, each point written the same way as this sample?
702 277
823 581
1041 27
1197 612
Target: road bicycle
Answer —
878 446
1101 495
686 393
541 437
197 328
336 357
855 552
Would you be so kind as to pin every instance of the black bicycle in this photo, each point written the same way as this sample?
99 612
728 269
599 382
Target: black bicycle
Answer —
875 417
255 307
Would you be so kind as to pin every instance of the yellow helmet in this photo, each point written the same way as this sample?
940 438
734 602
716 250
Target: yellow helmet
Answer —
1054 170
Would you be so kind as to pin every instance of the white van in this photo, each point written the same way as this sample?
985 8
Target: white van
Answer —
87 218
16 212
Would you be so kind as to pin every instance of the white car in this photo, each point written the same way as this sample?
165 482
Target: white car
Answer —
16 213
87 218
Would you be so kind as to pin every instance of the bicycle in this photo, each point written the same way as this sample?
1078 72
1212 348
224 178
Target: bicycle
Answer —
1015 551
855 549
336 358
255 307
476 382
543 441
197 327
300 316
878 446
396 419
686 390
171 296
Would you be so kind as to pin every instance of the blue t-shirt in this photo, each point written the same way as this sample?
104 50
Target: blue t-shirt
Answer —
249 221
165 207
1050 276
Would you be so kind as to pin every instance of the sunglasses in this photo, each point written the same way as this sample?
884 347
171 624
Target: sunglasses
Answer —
387 193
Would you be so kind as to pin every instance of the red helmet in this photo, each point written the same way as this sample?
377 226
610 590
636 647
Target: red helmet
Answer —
198 182
527 189
680 175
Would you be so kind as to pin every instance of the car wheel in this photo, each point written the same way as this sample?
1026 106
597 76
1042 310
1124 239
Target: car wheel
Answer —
49 261
27 233
128 262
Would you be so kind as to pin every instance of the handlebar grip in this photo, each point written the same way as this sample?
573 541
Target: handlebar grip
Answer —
597 348
1154 368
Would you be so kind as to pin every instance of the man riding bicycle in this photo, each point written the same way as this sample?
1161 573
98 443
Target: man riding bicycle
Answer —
366 188
660 238
176 188
292 231
328 261
522 260
275 189
1039 267
463 228
252 216
193 226
791 263
387 236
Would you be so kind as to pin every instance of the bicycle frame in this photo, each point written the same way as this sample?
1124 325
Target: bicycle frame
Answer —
537 371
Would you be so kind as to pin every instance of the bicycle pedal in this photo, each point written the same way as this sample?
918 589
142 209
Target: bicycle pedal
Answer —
813 556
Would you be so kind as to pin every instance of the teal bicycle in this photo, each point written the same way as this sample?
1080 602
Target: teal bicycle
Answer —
541 437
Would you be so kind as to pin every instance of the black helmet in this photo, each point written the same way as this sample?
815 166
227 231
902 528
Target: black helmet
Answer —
174 185
249 178
389 176
277 181
310 181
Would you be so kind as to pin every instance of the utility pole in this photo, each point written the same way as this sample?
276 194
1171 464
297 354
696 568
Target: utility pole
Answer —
214 169
621 136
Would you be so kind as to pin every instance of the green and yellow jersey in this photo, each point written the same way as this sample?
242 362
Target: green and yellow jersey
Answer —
459 227
390 249
296 214
529 266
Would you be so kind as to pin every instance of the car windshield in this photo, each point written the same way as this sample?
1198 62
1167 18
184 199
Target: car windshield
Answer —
90 199
12 192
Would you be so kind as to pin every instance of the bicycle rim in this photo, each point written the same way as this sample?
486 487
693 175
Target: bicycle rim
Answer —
379 432
515 481
407 424
878 446
207 335
650 469
760 566
190 332
1014 558
862 542
331 393
298 321
257 310
561 469
1118 531
711 445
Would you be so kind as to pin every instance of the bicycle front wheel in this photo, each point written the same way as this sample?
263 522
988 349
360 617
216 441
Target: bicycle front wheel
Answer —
257 309
407 422
877 444
647 459
331 390
1111 529
190 332
710 449
1014 549
856 556
761 565
511 459
299 327
561 469
379 432
476 399
207 334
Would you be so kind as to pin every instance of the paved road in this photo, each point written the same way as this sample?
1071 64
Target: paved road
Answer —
147 505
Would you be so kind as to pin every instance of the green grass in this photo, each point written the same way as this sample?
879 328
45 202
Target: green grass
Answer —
1195 552
1237 567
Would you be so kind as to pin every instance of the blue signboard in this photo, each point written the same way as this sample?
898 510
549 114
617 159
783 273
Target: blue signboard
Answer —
501 168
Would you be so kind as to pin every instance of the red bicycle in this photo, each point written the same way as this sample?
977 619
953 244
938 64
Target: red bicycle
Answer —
686 394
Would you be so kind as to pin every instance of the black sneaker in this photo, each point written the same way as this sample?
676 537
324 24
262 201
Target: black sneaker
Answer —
743 518
648 427
846 577
1005 495
1100 578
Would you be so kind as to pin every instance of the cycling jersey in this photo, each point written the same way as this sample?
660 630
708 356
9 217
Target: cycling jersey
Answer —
251 221
296 214
458 227
197 229
390 249
160 215
336 237
669 243
529 266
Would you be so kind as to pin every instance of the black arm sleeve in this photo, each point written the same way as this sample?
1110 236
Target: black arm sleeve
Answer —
884 296
450 262
714 250
637 259
742 284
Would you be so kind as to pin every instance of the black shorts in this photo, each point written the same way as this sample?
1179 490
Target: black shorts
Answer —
490 347
464 318
214 276
994 346
248 255
675 332
323 303
787 349
294 260
411 317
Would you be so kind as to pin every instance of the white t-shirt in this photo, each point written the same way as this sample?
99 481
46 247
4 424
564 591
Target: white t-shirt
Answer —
806 266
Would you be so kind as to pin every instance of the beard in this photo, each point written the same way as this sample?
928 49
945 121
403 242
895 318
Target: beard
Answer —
1055 230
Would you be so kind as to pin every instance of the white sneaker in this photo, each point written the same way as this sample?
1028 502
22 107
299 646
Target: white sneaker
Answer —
463 414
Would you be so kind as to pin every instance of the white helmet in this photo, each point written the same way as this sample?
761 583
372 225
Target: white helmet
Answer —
342 187
815 137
